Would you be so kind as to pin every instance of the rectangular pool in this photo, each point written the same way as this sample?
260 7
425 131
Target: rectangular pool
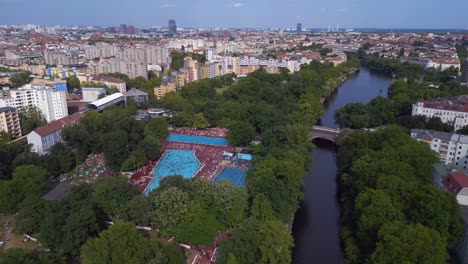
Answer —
237 177
197 139
174 162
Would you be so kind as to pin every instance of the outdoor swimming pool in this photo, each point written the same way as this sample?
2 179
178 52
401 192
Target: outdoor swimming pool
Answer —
197 139
235 176
174 162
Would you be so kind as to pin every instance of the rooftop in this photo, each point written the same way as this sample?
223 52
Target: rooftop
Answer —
107 99
7 109
455 103
431 134
135 92
58 124
107 79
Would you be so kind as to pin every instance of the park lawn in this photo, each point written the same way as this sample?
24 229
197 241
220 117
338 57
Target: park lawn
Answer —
16 240
220 91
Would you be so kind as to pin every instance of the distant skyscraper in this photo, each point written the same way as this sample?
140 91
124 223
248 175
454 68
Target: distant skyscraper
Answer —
123 28
464 77
172 26
299 27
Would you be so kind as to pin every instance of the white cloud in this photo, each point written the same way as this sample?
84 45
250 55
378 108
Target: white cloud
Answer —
238 5
168 5
342 10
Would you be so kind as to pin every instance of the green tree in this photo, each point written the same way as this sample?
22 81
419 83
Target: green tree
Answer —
157 128
375 208
31 118
121 243
81 225
240 133
136 210
31 212
15 256
199 121
199 226
400 243
73 83
242 244
275 242
28 180
115 148
113 194
22 79
151 147
170 206
261 208
64 157
174 253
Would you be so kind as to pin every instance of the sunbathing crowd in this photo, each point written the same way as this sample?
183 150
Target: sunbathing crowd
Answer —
209 132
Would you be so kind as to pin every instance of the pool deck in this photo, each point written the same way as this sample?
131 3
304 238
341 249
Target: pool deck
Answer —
210 156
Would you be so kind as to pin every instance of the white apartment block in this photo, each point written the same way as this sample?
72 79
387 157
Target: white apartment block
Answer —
52 103
453 110
451 148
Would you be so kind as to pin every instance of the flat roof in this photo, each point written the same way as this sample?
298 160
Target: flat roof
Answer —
98 89
107 99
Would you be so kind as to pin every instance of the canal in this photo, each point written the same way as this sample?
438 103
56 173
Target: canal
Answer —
316 225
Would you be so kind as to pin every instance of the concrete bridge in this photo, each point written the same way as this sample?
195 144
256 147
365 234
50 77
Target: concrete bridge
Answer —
330 134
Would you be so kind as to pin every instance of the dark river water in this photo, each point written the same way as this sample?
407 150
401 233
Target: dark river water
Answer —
316 225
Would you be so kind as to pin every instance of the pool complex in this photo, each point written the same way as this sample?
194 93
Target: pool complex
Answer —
197 139
174 162
235 176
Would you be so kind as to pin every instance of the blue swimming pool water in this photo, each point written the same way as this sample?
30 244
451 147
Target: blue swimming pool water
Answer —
174 162
197 139
235 176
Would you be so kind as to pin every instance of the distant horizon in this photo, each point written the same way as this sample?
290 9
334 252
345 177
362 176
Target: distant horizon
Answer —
396 14
332 28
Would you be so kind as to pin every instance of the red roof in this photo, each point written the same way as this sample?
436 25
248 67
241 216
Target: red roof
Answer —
58 124
456 181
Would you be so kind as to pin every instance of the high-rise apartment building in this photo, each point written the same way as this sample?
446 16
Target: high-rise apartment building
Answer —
299 27
9 121
52 103
172 26
59 58
464 77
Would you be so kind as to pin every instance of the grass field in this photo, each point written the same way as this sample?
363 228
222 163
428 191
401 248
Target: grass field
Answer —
220 91
11 239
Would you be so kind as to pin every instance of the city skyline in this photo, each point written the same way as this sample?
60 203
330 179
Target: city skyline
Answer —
399 14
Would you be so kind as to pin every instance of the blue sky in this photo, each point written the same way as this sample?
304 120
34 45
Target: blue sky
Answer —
240 13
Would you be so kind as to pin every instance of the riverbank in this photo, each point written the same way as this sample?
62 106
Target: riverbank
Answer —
316 224
341 80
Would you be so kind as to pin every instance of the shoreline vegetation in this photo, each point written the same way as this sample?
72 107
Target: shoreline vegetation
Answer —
385 183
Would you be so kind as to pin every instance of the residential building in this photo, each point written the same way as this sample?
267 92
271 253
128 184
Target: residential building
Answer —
451 148
165 87
456 181
192 69
111 82
45 137
91 94
51 102
59 58
453 110
9 121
